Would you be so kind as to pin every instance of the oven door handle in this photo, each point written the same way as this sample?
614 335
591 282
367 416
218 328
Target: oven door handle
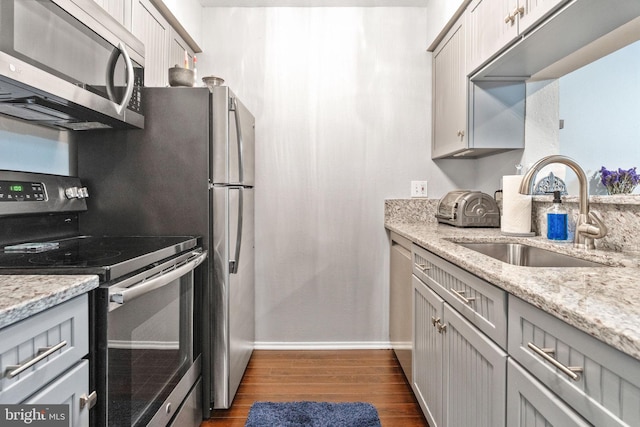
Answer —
123 294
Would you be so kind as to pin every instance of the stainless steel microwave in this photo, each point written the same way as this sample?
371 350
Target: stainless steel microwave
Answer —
68 64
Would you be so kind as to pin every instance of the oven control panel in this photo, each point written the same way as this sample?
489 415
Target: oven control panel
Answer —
27 193
20 191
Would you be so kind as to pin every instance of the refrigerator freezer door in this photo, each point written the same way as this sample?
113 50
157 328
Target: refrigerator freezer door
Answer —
233 293
233 143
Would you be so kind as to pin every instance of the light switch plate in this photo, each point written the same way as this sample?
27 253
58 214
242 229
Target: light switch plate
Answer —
418 188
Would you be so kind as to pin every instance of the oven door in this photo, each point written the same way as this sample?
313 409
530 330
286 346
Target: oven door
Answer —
148 350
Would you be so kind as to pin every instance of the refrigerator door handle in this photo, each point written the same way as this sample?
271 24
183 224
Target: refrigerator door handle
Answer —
233 263
236 113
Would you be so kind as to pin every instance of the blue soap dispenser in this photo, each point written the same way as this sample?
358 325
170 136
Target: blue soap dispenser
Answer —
557 219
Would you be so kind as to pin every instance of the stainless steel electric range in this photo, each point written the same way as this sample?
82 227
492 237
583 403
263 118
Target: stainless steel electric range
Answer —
144 361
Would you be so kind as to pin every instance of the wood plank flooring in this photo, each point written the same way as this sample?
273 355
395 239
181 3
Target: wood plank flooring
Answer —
372 376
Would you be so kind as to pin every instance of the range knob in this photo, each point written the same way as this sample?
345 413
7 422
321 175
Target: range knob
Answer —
76 192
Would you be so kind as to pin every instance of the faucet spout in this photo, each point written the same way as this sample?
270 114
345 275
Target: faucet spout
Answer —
589 226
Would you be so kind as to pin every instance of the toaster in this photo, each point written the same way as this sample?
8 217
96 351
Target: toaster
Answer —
466 208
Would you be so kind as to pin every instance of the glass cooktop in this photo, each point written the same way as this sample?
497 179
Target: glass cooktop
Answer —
109 257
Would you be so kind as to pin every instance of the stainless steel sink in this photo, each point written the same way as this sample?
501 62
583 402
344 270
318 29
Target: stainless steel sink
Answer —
528 256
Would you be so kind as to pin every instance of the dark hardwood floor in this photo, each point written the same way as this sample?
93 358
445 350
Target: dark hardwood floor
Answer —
372 376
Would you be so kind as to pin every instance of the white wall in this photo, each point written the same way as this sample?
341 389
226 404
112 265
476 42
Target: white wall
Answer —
600 105
342 104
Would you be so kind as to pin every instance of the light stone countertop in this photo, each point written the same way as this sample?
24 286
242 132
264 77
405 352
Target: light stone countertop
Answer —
23 296
601 301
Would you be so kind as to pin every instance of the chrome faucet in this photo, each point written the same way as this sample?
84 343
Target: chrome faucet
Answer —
589 225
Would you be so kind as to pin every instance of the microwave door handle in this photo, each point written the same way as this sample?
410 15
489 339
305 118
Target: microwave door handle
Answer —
233 263
111 69
236 113
124 295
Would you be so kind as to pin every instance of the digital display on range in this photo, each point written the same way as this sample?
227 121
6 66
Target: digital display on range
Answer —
11 191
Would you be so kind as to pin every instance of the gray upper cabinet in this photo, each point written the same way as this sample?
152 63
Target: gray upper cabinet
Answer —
450 93
551 31
529 13
489 29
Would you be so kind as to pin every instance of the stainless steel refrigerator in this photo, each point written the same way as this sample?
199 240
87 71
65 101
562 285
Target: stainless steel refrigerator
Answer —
190 171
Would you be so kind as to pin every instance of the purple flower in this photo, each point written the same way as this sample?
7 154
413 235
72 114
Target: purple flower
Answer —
620 181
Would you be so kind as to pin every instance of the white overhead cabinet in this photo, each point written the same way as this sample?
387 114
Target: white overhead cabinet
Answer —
152 29
119 9
164 46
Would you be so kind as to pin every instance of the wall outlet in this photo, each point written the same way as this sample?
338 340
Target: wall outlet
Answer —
418 188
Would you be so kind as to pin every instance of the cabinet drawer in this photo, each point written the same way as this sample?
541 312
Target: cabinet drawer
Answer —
605 393
480 302
65 326
529 403
67 390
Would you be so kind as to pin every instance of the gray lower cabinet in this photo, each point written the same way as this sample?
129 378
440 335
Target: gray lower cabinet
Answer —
459 373
597 381
427 352
41 359
400 290
69 389
482 357
531 404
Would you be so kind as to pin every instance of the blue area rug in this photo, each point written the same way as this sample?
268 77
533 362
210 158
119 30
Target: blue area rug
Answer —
316 414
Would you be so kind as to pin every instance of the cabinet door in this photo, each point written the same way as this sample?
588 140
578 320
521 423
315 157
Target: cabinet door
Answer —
599 382
427 352
530 404
450 94
38 349
119 9
489 28
68 389
531 12
400 291
177 49
475 375
153 30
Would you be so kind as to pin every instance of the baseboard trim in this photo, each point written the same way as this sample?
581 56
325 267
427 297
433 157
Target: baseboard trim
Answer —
368 345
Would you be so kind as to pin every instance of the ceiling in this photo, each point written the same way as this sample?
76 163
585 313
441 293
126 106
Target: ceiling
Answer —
314 3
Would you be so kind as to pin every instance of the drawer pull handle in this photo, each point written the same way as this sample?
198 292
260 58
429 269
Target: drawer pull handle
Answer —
423 267
435 320
43 353
570 371
460 295
88 401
